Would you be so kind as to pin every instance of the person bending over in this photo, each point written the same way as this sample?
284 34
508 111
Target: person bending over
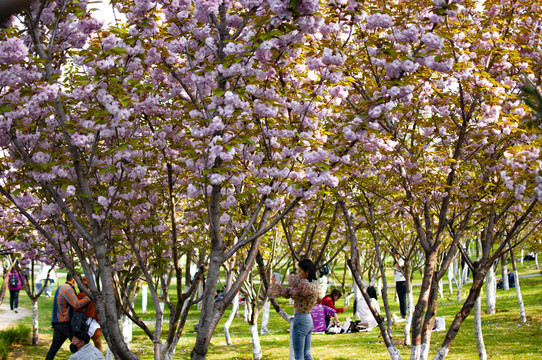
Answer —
319 313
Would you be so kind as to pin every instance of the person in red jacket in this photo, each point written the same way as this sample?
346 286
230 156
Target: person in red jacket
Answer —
329 300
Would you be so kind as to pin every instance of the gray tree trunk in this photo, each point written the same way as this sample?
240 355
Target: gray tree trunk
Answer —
247 310
410 311
264 330
536 260
504 274
126 325
144 289
451 278
491 291
459 287
200 293
291 355
235 307
522 316
35 322
256 348
482 355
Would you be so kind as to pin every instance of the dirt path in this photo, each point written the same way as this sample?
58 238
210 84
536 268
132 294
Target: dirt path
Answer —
9 318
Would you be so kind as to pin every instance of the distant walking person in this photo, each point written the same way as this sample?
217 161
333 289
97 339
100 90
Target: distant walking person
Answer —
305 291
400 286
64 304
14 285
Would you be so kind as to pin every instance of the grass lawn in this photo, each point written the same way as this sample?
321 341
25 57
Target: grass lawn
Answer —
505 337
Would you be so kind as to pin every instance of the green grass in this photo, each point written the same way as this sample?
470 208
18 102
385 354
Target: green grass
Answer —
505 336
13 335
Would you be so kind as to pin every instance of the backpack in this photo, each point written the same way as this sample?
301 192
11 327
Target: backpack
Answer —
13 281
79 322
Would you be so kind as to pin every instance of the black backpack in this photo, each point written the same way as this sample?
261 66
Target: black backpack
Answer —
13 281
79 322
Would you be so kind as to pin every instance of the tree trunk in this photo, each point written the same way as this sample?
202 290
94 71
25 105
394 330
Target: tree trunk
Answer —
167 352
451 278
410 310
522 256
4 284
264 330
200 293
536 260
291 355
144 294
468 305
504 274
482 355
127 328
35 322
256 348
491 291
235 307
441 288
247 310
419 310
388 340
459 287
522 316
429 319
106 307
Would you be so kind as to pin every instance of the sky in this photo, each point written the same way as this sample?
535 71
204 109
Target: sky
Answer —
104 11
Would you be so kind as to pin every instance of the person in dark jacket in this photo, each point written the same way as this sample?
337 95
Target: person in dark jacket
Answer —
15 285
64 304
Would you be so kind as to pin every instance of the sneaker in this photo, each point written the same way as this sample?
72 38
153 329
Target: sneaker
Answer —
16 310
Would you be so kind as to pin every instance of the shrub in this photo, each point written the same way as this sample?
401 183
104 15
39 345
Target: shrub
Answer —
13 335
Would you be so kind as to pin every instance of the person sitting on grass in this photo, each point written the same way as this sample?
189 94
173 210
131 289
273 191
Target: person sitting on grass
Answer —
83 349
511 281
329 300
367 320
319 313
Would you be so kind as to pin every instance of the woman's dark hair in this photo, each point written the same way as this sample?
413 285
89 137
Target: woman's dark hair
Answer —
308 266
333 293
372 292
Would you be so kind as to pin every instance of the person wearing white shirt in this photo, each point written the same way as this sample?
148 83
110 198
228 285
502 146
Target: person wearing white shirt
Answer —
82 349
400 285
367 320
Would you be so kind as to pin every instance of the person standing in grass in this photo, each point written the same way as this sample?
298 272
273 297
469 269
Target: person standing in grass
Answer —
64 304
400 285
305 291
15 285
